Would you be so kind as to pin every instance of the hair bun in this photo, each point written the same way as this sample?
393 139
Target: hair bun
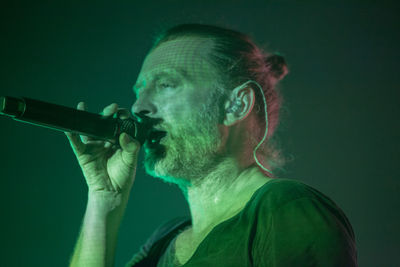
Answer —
277 65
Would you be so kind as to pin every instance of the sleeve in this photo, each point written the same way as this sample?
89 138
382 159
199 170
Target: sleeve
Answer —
304 232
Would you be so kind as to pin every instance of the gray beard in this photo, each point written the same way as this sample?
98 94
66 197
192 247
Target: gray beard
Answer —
192 148
188 155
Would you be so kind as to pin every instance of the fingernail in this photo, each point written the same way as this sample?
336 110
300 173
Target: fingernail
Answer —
127 138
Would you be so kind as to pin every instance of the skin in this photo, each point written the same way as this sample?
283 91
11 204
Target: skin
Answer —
206 155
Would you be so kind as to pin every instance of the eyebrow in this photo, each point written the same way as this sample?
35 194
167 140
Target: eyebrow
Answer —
166 72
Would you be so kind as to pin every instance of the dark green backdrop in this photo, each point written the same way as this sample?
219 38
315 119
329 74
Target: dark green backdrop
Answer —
342 127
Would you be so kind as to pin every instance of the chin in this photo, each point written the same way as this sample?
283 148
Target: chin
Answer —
160 164
153 156
183 159
166 170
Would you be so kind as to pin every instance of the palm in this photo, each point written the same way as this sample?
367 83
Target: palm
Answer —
104 168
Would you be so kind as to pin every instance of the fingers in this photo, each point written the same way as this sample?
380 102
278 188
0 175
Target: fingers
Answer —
129 145
75 141
78 142
82 106
110 109
107 111
130 148
123 114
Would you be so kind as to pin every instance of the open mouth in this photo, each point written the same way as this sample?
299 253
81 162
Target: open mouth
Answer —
155 137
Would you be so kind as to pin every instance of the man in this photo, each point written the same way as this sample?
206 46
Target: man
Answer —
212 96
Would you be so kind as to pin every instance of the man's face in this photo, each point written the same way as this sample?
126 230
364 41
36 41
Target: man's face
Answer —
177 86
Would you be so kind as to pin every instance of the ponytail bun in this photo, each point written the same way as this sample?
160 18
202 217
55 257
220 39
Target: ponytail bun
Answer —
277 66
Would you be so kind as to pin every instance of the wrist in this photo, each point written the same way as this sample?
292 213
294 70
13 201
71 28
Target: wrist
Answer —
106 202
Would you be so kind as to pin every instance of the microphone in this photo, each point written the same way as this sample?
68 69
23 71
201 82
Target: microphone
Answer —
67 119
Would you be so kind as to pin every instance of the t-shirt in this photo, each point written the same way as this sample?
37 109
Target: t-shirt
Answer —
285 223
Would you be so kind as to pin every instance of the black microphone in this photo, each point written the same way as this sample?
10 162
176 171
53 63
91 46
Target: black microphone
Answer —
67 119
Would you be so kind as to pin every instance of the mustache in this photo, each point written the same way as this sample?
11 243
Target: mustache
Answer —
146 120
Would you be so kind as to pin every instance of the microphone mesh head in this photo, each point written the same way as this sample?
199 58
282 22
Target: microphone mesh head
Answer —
134 129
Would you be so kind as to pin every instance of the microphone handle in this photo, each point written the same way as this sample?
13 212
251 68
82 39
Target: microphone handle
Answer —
67 119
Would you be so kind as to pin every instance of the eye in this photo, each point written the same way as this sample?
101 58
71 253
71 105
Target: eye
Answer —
165 85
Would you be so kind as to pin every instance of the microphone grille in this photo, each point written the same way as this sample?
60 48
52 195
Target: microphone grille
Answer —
134 129
129 126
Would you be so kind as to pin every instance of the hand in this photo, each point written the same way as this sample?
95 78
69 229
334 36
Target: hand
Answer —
107 168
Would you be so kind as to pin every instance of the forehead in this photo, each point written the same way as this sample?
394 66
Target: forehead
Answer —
186 55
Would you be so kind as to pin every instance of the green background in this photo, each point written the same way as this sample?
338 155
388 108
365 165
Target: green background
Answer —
342 123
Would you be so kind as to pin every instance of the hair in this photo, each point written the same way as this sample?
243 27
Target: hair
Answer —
238 59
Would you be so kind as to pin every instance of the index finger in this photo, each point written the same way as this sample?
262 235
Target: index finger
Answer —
76 143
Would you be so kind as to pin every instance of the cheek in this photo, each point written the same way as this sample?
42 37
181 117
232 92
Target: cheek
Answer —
178 108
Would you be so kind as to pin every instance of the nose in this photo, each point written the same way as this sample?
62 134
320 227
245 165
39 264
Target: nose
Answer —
144 106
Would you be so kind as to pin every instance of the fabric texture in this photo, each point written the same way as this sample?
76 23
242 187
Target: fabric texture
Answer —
285 223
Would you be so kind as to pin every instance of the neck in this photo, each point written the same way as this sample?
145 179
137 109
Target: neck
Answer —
221 194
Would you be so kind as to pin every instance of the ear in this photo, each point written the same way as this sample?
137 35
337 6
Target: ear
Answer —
239 106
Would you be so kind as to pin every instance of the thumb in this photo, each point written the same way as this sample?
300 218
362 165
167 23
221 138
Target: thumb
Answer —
130 148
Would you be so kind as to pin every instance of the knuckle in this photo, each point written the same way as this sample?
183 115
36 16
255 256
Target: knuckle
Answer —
106 110
81 106
110 109
123 113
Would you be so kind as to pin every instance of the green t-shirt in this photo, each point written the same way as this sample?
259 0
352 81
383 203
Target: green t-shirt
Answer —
285 223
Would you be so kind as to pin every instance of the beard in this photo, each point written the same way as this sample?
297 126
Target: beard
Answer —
190 150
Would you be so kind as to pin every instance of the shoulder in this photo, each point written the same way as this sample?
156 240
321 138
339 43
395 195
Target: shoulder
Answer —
287 199
300 223
280 191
